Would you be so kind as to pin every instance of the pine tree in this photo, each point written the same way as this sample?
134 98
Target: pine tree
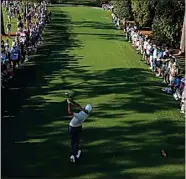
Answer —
143 12
168 20
122 8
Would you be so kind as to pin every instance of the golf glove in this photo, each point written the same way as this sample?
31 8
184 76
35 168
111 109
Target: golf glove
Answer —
68 101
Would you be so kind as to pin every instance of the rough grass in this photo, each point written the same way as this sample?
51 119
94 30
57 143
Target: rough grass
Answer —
131 122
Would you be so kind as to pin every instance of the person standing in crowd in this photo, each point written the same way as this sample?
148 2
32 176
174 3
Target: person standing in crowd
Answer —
173 73
9 16
8 29
14 56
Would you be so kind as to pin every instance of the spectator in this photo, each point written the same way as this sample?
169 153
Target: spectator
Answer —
173 73
20 24
145 44
19 18
124 24
148 47
7 47
183 102
9 16
151 50
8 29
14 56
2 44
159 61
169 63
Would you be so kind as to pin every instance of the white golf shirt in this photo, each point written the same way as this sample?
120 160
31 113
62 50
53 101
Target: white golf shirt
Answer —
78 119
145 44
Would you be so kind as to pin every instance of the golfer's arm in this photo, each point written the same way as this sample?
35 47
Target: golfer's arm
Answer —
71 114
76 105
79 107
70 109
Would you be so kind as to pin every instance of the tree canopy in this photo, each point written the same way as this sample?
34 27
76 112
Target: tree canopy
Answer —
165 17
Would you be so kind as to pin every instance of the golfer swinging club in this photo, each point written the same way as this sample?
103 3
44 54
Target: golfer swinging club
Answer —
75 127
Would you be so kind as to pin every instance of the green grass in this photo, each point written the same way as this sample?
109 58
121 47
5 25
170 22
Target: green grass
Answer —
13 22
13 28
131 122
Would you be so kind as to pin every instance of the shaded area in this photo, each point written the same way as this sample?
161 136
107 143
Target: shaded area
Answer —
17 119
94 25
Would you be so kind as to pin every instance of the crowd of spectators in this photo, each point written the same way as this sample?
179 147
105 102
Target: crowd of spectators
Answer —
157 56
30 26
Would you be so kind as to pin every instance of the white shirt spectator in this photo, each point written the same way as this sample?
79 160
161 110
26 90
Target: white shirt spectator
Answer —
132 33
145 45
13 43
155 53
148 49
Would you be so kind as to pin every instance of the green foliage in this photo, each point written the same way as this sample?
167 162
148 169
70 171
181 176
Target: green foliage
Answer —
168 20
123 8
37 1
2 24
133 5
143 13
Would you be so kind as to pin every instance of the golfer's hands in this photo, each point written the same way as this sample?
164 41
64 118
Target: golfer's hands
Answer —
68 101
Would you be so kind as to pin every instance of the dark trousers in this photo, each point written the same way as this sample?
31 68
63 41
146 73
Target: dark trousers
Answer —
75 136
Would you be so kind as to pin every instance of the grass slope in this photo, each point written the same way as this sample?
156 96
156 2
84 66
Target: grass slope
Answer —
13 22
132 120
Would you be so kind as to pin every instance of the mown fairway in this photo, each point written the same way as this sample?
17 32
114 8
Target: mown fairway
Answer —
131 122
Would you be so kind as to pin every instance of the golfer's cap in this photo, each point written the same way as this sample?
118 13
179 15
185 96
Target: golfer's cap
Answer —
88 107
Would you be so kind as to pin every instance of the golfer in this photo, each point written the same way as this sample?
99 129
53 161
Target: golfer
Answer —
75 127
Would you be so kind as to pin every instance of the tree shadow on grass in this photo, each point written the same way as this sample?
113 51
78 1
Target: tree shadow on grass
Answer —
140 93
20 116
134 151
107 151
105 36
94 25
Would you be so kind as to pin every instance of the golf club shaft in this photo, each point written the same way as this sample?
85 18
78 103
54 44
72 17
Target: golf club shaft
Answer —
74 103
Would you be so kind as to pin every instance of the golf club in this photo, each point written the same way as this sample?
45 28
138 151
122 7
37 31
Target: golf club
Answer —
69 94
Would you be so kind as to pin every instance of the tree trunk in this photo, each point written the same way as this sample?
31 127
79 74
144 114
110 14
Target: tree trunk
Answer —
182 43
2 24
